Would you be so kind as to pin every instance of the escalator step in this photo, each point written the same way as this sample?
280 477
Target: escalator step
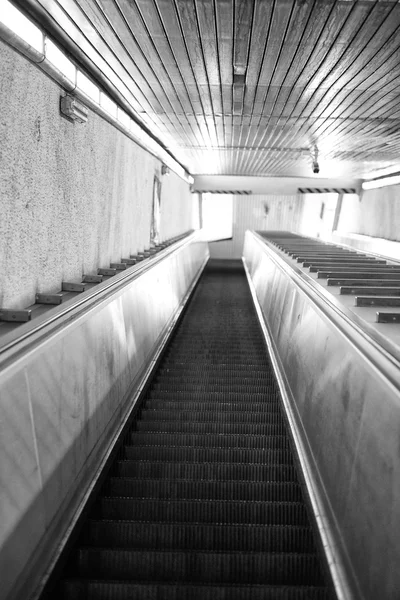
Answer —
222 407
210 395
203 511
209 490
204 455
211 567
209 471
216 359
188 536
186 386
149 414
217 372
210 427
121 590
209 440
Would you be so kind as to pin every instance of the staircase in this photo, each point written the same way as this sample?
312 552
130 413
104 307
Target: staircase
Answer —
204 502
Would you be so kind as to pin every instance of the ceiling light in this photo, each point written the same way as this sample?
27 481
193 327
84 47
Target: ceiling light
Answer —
108 105
73 109
59 60
88 87
378 183
123 118
14 20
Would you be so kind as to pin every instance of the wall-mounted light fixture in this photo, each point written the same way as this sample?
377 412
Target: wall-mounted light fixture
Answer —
165 170
73 109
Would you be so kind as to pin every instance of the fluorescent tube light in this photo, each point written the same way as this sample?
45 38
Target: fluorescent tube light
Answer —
378 183
124 118
59 60
88 87
12 18
383 172
108 105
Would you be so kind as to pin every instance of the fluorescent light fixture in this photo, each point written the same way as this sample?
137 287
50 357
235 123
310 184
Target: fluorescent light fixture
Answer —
378 183
59 60
108 105
123 118
383 172
73 109
88 87
12 18
136 130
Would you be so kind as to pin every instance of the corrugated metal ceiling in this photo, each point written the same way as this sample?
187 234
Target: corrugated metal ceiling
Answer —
247 87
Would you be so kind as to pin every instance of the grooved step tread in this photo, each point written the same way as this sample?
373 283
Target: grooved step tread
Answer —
199 455
187 386
204 511
211 372
211 395
209 471
210 427
271 491
214 407
209 440
122 590
202 567
198 416
188 536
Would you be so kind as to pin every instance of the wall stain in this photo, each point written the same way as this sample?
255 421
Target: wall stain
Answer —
37 131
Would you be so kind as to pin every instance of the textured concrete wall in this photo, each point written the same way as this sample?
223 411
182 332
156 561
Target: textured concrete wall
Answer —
375 213
73 197
284 213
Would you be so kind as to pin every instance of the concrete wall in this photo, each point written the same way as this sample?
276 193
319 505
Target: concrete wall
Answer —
73 197
284 212
375 213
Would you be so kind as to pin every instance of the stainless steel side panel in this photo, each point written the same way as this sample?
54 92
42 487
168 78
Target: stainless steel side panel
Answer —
62 398
344 403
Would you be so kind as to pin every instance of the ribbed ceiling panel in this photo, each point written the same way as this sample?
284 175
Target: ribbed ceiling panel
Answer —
247 87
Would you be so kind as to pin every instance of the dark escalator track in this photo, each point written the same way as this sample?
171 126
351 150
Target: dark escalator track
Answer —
204 501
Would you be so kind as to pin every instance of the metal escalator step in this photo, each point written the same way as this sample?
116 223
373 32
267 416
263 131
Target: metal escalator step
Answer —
214 407
210 471
122 590
198 427
199 455
217 379
211 567
210 372
186 385
271 397
221 368
217 359
166 489
200 416
187 536
204 511
209 440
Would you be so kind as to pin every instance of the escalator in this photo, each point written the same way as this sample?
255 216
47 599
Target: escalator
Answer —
204 499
